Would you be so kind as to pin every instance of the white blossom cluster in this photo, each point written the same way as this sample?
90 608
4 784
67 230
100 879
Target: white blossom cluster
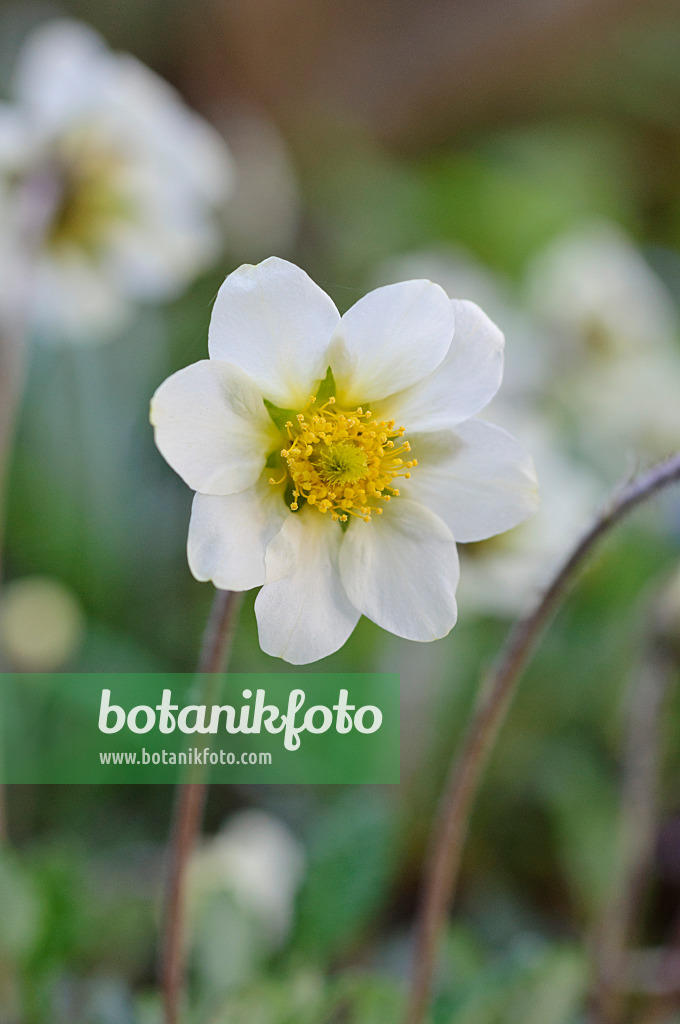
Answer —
108 178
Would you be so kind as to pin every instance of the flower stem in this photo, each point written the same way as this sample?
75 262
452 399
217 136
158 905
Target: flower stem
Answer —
188 813
11 386
450 832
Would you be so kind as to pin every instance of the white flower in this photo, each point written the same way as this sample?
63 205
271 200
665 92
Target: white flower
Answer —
137 176
335 458
259 862
599 293
617 359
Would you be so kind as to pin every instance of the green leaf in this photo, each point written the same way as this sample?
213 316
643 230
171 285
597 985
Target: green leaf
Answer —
21 909
351 859
326 388
279 416
365 999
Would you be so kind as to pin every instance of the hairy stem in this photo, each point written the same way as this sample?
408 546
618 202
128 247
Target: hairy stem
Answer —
495 696
188 813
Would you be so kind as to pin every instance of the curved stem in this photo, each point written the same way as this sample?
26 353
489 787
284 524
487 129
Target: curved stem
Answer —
11 386
497 691
188 813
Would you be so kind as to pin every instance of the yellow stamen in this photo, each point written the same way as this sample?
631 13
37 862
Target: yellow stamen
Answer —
339 464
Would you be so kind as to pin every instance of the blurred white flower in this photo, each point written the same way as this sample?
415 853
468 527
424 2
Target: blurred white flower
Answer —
616 344
137 179
299 435
257 860
594 288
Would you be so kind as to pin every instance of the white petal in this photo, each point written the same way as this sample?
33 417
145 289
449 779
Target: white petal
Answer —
228 535
189 150
276 324
304 615
477 478
392 337
62 72
401 570
466 381
212 427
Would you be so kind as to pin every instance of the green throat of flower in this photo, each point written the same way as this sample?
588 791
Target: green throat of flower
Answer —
340 461
92 200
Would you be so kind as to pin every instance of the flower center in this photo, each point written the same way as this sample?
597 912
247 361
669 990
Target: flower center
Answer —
92 199
342 463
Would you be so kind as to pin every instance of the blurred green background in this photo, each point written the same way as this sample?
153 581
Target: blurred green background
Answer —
526 156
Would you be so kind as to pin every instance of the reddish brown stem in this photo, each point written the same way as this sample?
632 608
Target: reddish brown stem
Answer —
188 814
495 696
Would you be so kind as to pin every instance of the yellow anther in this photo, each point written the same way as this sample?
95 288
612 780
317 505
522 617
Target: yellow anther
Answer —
338 465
